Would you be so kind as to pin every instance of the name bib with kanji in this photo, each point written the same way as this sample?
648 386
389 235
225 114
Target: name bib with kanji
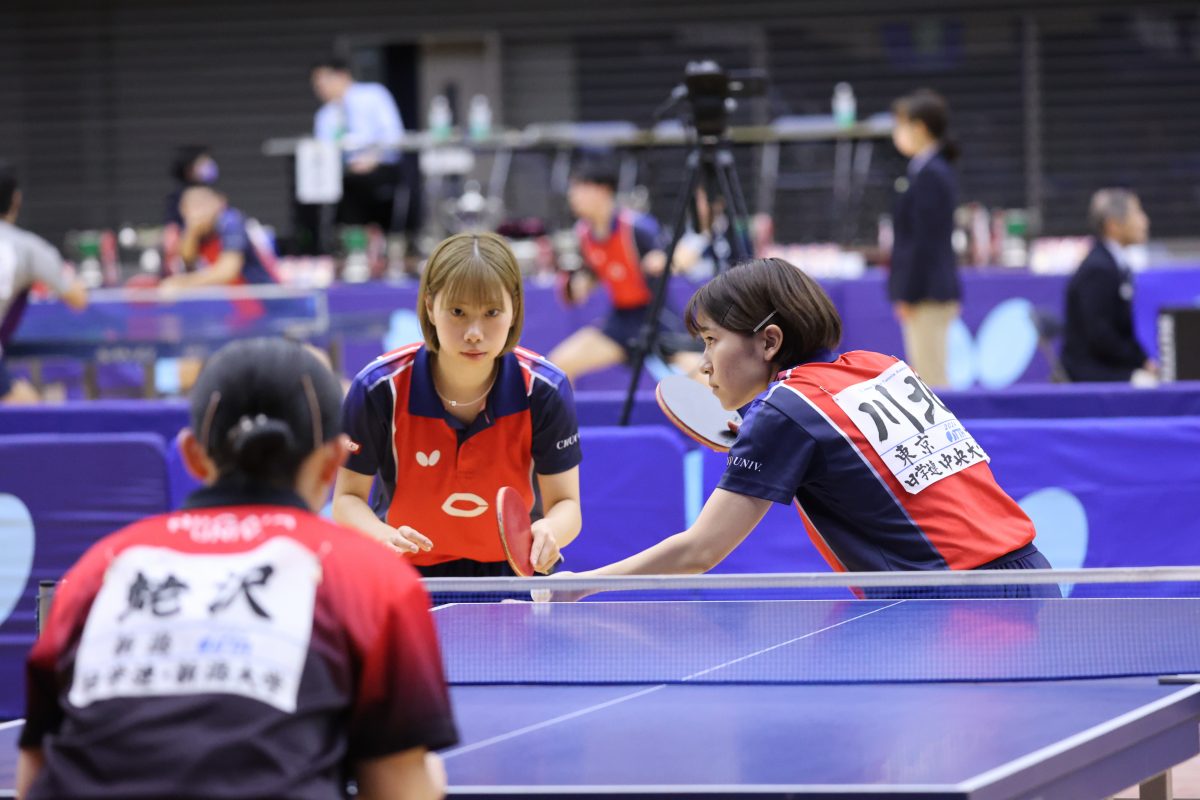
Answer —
172 623
916 436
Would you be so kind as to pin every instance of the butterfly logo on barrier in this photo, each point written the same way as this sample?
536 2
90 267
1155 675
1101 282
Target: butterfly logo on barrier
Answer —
999 353
429 459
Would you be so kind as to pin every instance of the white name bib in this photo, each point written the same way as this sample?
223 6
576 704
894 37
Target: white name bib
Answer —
917 437
172 623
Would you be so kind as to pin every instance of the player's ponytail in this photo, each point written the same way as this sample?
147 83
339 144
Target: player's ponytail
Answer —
261 406
264 447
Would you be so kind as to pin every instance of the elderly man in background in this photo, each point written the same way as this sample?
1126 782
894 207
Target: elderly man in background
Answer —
1098 340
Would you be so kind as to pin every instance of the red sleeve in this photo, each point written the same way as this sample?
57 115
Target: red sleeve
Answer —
73 597
402 700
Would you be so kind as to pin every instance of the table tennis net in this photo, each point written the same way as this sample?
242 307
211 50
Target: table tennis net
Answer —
821 628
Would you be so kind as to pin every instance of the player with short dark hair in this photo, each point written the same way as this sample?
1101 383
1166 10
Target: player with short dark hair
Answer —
884 476
621 250
446 423
241 647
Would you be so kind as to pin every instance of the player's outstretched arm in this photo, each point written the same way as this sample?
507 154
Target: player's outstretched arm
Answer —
726 519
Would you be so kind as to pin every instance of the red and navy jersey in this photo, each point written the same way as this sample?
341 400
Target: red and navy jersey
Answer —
241 648
885 477
441 477
233 232
617 260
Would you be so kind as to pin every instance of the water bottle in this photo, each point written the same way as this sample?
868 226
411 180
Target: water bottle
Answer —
439 117
844 107
479 117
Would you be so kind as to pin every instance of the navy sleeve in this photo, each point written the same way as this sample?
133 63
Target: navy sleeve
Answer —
365 427
231 227
555 428
646 234
772 457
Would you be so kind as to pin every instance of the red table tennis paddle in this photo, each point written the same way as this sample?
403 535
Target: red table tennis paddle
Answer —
695 410
516 535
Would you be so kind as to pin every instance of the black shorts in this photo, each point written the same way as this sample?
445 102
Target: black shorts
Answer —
466 568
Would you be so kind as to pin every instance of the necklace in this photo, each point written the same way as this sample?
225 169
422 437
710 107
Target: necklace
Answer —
467 403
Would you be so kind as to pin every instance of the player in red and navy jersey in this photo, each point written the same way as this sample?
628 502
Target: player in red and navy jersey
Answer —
220 243
621 250
241 647
445 424
884 476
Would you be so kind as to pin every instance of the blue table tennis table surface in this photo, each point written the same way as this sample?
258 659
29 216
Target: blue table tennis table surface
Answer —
944 699
834 699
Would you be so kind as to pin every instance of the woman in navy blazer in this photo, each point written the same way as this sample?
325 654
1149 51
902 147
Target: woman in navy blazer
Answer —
923 285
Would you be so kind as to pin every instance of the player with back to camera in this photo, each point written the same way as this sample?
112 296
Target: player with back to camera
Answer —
241 647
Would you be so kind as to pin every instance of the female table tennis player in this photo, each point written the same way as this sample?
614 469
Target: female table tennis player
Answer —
884 475
242 647
444 424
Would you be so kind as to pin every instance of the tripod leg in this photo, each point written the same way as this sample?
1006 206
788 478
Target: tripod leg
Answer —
735 201
649 333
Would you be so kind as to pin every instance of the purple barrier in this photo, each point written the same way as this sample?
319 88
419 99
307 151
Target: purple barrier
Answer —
58 495
633 486
867 317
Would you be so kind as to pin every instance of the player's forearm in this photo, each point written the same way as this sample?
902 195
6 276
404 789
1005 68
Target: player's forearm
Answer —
681 554
29 763
354 512
189 245
566 520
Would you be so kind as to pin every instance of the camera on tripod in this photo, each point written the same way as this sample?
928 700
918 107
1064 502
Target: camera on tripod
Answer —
712 94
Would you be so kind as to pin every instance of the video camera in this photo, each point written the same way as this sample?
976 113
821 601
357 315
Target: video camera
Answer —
712 94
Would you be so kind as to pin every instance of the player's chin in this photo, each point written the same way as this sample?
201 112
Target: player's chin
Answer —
722 397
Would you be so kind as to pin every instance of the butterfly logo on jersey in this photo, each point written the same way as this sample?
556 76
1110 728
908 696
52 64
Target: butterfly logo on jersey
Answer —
429 459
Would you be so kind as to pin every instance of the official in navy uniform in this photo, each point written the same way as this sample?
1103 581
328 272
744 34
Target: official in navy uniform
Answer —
1098 340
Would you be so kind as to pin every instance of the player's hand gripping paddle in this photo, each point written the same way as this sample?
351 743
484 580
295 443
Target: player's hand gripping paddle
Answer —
516 532
695 410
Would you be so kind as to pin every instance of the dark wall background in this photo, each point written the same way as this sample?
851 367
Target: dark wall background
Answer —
1050 100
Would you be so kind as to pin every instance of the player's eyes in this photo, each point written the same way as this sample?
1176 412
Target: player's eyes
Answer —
493 312
456 312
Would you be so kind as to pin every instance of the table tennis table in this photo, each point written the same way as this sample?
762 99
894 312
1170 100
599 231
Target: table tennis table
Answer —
815 699
142 325
821 699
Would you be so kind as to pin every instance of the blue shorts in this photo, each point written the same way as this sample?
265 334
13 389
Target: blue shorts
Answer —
6 381
624 326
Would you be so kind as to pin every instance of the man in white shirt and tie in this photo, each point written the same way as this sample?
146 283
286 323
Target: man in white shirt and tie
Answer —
362 119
